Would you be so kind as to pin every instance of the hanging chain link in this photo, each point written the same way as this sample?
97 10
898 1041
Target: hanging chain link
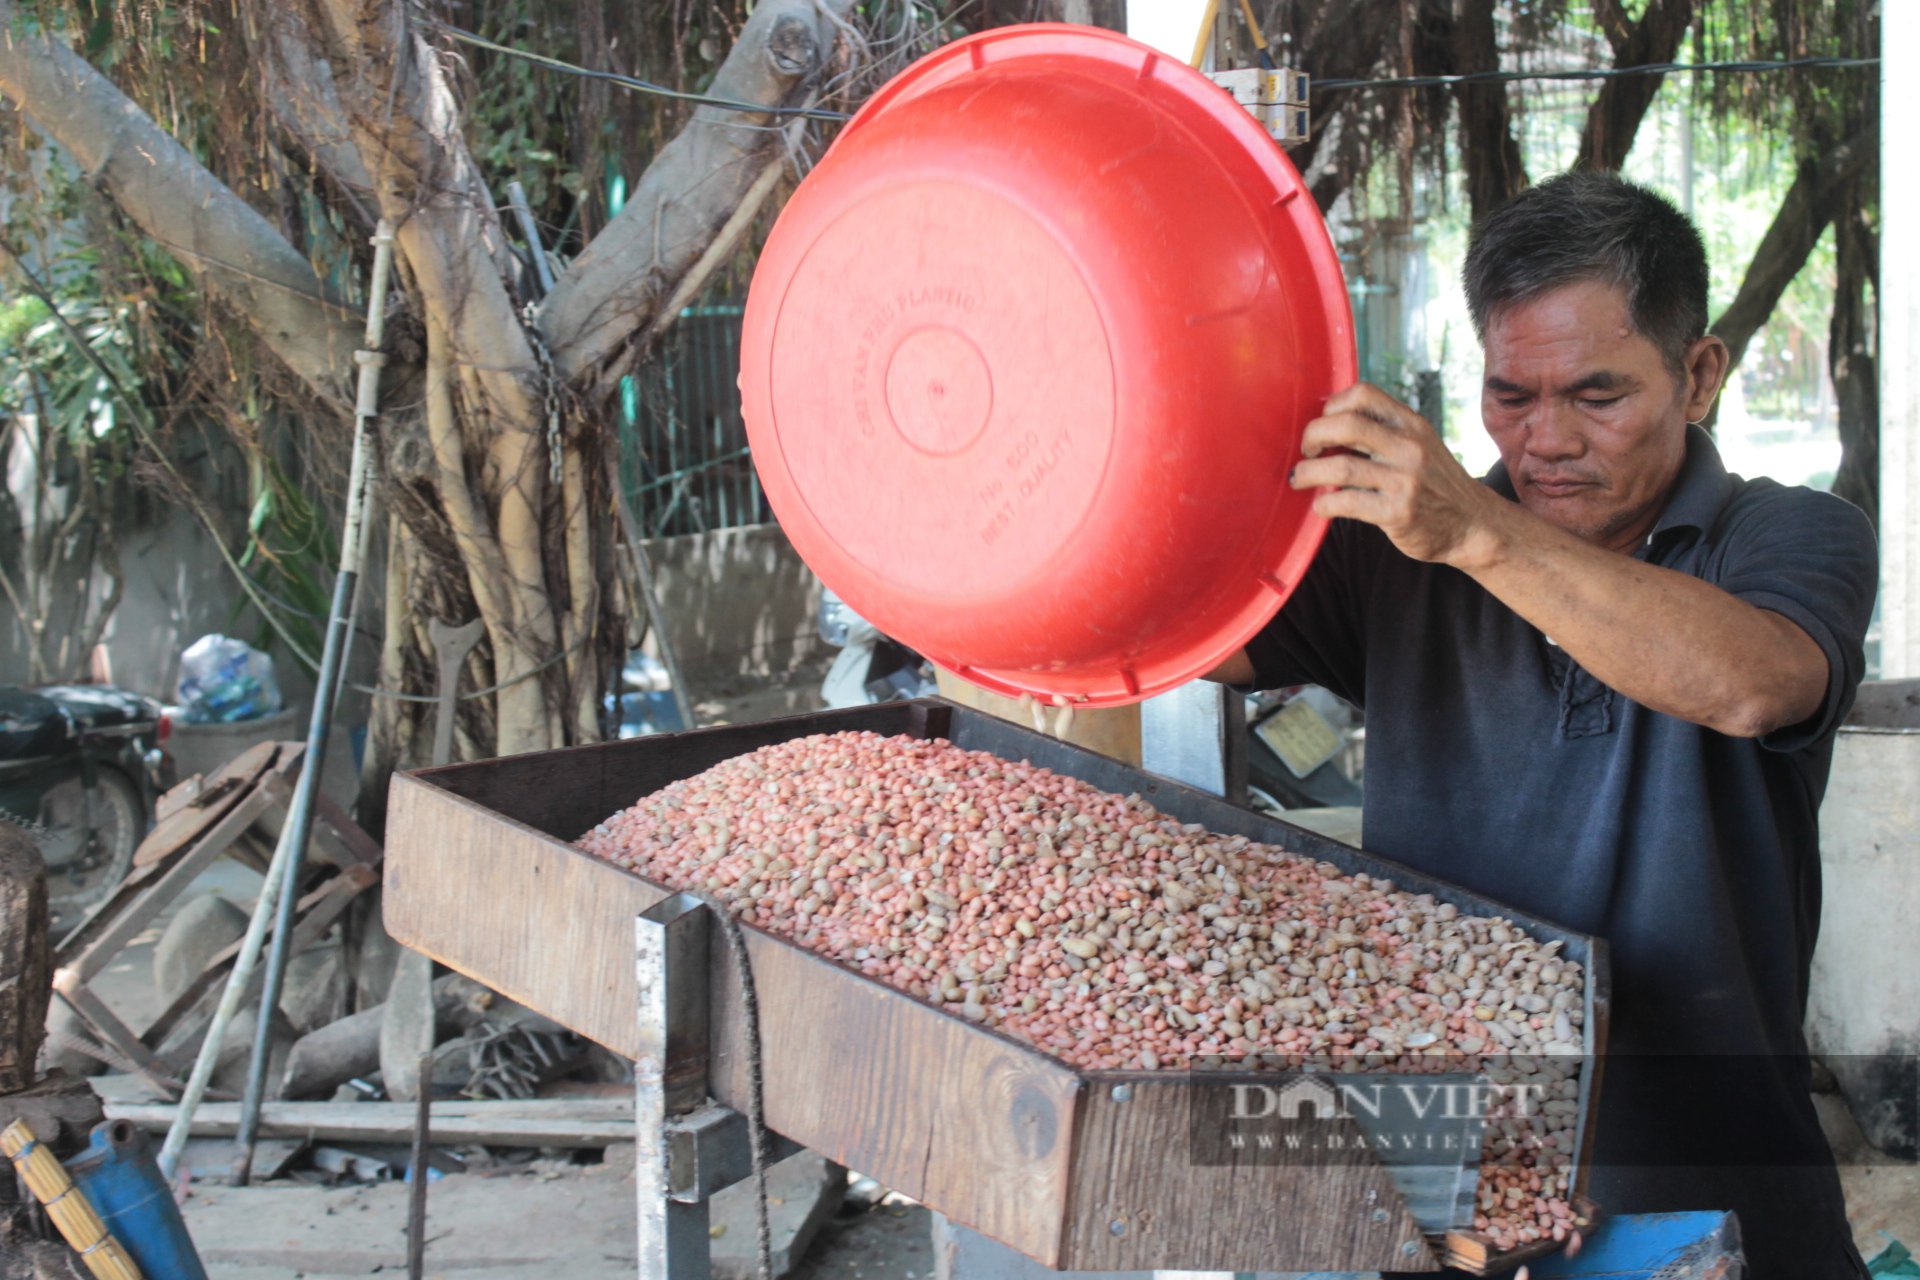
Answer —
550 383
40 833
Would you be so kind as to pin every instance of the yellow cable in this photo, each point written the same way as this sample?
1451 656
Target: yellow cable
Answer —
1253 25
1206 33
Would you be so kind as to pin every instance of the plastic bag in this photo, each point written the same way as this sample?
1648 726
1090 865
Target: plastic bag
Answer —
1894 1260
223 680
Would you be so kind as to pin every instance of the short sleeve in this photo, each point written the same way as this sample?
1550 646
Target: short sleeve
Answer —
1811 558
1319 635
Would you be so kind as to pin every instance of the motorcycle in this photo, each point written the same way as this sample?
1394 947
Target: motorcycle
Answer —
80 768
871 667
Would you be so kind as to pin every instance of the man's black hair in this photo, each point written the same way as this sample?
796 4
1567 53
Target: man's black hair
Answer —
1594 226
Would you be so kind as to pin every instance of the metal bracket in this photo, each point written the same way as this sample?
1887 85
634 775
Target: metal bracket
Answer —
686 1147
708 1149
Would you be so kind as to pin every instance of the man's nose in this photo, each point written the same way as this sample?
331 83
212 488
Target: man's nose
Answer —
1554 433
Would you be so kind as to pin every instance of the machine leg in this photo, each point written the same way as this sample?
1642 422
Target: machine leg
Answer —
1197 734
670 1080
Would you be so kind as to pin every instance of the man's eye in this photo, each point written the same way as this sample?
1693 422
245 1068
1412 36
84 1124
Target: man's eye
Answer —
1512 402
1607 403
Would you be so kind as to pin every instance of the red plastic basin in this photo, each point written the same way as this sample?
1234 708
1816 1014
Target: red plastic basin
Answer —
1027 358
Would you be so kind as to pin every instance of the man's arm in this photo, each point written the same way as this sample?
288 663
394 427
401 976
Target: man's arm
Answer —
1666 640
1235 670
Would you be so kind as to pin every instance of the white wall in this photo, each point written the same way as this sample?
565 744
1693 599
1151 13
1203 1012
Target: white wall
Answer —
1170 26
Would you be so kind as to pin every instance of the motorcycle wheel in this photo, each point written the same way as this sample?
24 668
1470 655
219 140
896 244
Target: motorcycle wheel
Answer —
85 865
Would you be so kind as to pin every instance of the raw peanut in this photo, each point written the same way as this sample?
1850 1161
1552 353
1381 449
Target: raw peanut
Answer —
1096 929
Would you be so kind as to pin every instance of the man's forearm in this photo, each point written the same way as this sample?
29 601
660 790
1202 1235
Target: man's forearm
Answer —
1667 640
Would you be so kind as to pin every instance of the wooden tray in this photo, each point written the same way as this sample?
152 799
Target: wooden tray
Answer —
1080 1170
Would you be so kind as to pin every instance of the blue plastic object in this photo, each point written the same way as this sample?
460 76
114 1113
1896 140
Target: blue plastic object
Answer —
117 1172
1640 1246
1894 1260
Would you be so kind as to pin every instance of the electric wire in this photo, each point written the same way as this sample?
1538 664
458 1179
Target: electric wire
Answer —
644 86
1591 73
1390 82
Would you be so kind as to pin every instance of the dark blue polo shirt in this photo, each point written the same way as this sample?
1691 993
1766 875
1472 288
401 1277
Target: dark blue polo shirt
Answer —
1495 761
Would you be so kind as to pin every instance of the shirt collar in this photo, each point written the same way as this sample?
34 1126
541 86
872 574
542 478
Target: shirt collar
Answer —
1698 495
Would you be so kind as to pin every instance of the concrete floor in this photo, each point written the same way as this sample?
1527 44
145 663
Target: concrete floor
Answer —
554 1220
891 1242
1883 1194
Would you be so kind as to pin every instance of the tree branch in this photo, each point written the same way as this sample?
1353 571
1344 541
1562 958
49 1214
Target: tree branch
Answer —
1614 118
613 289
173 198
1496 171
1814 200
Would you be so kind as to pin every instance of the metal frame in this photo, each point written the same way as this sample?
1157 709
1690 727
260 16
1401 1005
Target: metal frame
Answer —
686 1147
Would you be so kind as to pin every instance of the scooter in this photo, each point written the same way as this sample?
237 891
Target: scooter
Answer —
80 768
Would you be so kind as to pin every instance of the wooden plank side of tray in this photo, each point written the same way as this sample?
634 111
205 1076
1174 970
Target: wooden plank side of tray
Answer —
946 1112
1140 1201
514 909
970 1122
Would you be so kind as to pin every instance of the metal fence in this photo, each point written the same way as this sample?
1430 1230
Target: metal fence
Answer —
684 459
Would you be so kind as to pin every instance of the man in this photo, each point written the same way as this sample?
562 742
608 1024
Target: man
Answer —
1602 685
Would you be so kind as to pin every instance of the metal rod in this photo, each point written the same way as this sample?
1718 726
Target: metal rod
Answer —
530 232
417 1200
695 469
656 617
300 809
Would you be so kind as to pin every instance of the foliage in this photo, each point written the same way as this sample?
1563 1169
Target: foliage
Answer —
66 447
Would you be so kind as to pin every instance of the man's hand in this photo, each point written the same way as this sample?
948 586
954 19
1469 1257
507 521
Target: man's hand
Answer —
1668 640
1399 475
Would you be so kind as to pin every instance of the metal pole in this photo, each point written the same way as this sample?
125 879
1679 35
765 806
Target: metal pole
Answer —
264 909
530 232
300 810
670 1080
417 1201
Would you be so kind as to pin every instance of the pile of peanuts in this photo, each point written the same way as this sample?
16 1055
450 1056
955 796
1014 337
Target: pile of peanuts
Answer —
1096 929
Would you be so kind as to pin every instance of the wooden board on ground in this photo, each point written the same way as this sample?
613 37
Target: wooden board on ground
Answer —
533 1123
205 820
205 800
976 1124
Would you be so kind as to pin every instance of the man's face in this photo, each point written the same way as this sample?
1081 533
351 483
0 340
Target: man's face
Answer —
1587 416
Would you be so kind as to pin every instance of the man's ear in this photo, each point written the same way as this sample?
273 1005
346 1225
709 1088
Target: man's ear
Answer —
1707 363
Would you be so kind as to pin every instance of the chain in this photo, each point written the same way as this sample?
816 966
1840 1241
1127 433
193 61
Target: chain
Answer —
28 825
551 384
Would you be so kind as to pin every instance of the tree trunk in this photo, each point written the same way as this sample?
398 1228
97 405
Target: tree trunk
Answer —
26 964
1343 41
1810 204
1614 118
158 184
1851 356
491 451
611 291
1496 172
